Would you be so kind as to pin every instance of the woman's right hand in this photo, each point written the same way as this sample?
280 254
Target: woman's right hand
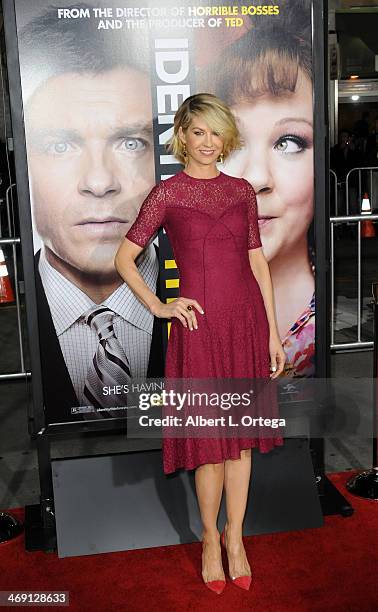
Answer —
179 308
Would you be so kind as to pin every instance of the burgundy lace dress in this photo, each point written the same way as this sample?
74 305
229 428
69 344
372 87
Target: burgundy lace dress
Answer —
211 224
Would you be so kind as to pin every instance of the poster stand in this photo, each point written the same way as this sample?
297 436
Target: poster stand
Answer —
331 500
40 518
365 484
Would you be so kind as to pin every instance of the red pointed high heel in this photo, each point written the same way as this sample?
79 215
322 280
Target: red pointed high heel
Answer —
217 586
243 582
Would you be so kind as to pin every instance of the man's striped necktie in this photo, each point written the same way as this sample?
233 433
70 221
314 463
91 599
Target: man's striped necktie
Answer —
109 366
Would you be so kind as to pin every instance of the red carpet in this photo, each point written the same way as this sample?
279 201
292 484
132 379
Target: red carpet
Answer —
333 568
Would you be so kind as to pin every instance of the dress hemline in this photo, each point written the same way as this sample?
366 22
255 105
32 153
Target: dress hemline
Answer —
278 442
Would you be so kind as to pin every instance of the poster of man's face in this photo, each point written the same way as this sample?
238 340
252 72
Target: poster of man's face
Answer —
91 163
88 127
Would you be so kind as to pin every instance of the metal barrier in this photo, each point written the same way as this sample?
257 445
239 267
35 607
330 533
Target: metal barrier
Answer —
333 190
369 184
372 173
14 241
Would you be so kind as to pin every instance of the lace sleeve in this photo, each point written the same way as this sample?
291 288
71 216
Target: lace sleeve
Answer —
254 240
150 217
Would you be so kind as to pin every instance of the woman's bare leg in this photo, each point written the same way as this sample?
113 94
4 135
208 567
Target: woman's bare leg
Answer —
209 480
237 474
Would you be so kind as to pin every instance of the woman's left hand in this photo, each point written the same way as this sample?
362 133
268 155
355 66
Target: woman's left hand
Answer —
277 355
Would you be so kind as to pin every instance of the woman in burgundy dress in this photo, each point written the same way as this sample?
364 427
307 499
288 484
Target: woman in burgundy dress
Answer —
223 324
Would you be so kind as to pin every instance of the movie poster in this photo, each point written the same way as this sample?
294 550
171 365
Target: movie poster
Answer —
101 81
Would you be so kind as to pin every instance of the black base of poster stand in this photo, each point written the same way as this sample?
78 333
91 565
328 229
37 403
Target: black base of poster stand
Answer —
37 535
40 528
331 500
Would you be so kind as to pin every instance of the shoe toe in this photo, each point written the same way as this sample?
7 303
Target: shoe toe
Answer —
216 585
243 582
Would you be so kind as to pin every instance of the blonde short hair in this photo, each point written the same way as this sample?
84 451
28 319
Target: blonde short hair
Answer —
215 113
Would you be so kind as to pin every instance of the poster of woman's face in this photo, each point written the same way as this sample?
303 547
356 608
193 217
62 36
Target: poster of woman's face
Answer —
265 75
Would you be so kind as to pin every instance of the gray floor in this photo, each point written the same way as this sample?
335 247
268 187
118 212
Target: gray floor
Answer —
19 482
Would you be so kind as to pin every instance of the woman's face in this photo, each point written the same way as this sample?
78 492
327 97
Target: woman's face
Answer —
277 159
202 144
